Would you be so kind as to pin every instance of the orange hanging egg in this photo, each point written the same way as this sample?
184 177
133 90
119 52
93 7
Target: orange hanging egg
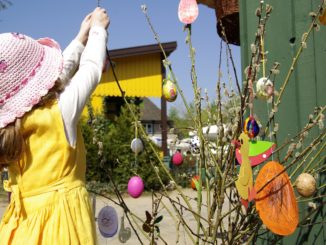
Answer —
194 182
275 202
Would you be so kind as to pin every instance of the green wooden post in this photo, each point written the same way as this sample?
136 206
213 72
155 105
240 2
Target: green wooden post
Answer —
307 87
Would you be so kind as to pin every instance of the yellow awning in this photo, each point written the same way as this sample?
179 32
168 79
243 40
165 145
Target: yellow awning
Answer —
139 76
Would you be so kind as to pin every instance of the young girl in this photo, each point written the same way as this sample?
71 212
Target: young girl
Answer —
40 142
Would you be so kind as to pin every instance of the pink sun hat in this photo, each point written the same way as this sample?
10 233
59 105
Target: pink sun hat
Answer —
28 70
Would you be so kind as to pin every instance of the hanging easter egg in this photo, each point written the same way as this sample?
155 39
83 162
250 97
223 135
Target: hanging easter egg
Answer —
136 145
305 185
169 90
264 88
135 186
194 183
188 11
251 127
276 203
322 18
259 151
195 145
177 158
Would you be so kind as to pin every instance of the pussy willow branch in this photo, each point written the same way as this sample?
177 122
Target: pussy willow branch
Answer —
302 222
198 123
116 190
321 169
254 60
314 143
144 8
321 150
181 219
305 129
145 136
231 57
294 62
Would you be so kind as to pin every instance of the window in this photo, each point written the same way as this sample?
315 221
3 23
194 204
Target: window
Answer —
149 128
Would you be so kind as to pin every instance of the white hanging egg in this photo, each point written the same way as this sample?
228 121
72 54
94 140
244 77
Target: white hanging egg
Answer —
265 88
137 145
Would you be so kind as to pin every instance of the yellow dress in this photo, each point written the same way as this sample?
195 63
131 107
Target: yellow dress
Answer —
49 202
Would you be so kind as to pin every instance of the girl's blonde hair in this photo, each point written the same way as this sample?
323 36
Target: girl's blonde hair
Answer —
11 138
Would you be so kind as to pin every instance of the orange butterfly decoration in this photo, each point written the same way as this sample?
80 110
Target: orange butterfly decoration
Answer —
275 200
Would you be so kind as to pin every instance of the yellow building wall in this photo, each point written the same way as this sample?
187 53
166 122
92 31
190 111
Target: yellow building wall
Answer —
139 76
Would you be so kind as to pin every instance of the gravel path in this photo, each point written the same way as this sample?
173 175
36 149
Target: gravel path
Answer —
170 231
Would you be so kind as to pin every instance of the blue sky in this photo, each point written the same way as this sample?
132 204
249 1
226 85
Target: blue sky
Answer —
61 19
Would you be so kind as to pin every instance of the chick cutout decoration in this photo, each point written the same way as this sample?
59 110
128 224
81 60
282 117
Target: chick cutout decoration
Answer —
275 200
244 184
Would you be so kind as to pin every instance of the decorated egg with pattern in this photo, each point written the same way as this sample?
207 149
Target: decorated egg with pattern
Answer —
188 11
251 127
265 88
169 90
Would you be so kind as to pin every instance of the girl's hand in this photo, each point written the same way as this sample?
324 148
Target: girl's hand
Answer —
100 18
84 29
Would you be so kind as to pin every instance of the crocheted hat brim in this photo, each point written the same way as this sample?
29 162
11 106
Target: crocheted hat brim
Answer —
37 86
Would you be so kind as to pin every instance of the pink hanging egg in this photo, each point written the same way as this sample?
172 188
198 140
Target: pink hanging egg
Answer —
188 11
177 158
135 186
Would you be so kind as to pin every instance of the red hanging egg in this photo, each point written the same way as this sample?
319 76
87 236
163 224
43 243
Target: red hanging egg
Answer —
188 11
177 158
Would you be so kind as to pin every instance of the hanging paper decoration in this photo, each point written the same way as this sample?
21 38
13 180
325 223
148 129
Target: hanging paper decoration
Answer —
195 145
194 183
305 185
177 158
107 221
322 18
169 90
188 11
275 202
244 183
136 145
135 186
259 151
251 127
124 233
265 88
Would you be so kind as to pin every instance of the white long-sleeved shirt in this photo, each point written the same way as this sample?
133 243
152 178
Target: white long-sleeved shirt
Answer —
82 70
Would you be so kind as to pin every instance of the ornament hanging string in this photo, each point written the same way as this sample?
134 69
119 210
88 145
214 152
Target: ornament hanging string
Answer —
262 44
91 122
263 54
134 166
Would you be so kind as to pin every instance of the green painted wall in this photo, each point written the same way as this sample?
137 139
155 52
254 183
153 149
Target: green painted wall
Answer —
307 87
